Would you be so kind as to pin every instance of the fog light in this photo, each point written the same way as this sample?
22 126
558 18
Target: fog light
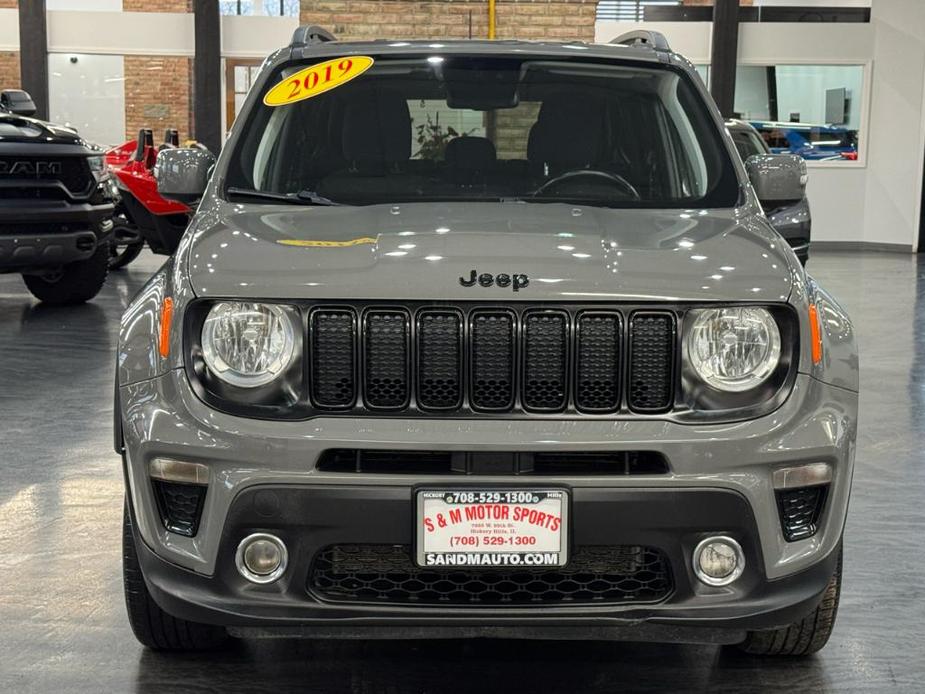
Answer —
718 561
261 558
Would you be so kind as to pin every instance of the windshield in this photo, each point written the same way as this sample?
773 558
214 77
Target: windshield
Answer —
487 129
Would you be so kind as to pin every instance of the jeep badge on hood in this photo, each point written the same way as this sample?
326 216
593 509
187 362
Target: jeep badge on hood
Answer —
486 279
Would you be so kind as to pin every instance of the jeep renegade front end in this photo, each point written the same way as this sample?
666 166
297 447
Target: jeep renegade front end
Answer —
483 339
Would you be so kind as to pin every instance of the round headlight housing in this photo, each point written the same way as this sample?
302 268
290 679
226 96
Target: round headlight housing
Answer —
734 349
248 344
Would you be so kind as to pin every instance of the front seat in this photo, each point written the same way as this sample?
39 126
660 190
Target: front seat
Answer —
469 158
567 135
376 135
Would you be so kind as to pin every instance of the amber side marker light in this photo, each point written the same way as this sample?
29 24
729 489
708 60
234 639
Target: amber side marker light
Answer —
166 318
815 333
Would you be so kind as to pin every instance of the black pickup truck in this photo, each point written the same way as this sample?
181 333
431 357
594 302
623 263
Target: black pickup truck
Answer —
56 205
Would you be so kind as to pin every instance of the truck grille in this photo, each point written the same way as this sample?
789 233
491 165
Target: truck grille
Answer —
72 172
594 575
492 360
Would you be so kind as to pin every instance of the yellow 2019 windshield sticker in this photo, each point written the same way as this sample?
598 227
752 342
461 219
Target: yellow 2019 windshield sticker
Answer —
317 79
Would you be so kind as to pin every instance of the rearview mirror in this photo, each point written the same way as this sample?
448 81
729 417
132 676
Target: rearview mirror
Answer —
778 179
182 174
17 101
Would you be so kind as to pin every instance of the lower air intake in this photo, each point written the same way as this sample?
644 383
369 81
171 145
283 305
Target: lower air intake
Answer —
800 510
385 574
180 505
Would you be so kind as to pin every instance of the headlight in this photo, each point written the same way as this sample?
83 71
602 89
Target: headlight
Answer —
734 349
98 167
248 344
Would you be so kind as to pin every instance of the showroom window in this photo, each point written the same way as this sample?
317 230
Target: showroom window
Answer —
628 10
266 8
811 110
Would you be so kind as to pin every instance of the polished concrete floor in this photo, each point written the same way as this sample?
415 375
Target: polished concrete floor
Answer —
62 622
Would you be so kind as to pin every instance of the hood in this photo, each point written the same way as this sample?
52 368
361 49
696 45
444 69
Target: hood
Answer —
22 129
421 250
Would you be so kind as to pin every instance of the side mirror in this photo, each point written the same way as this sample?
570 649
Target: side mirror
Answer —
17 101
778 179
182 174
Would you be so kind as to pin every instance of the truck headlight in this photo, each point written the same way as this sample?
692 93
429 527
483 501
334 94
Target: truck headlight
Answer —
734 349
248 344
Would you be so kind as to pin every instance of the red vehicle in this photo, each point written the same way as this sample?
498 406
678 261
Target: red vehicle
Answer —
143 215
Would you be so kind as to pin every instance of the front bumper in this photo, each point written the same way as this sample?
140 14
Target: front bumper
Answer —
309 519
50 233
720 483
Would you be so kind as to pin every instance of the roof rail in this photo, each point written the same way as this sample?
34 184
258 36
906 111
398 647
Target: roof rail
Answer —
308 34
642 37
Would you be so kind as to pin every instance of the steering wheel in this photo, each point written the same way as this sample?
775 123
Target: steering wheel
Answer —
615 179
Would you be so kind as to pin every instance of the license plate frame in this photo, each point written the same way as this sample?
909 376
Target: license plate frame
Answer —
433 545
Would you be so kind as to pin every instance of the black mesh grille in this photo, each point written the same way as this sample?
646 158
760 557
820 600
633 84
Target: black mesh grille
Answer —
545 360
386 358
333 357
73 172
440 359
492 359
180 505
651 369
386 574
597 387
800 510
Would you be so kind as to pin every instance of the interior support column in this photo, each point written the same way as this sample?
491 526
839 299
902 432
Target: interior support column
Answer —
724 54
33 53
207 75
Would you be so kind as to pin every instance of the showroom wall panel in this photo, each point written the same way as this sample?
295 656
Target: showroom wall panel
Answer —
86 92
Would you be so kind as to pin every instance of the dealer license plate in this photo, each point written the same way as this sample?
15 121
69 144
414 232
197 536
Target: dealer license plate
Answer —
492 528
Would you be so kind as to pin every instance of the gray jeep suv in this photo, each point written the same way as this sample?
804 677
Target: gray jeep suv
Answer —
477 339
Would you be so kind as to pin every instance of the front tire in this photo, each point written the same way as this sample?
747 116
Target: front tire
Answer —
808 635
152 626
76 283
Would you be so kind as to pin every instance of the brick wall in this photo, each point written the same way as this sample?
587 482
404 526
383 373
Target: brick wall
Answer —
9 60
9 70
157 94
157 88
515 19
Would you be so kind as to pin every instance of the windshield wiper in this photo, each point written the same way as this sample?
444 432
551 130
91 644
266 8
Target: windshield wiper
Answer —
303 197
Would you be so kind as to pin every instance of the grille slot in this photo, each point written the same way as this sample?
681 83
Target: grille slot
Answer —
333 377
573 463
598 358
386 574
800 510
386 334
545 360
439 369
651 361
492 358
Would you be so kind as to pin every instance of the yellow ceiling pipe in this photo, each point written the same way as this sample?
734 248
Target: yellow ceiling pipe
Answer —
491 19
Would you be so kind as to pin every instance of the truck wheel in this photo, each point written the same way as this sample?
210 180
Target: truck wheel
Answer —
152 626
808 635
75 283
